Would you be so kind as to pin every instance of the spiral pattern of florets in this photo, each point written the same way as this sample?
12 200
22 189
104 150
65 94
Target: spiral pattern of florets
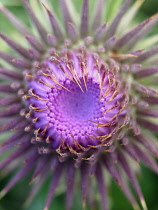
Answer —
75 99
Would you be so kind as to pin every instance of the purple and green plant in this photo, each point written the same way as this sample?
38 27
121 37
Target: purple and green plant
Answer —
79 99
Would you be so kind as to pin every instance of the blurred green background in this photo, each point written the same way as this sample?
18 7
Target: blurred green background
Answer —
16 197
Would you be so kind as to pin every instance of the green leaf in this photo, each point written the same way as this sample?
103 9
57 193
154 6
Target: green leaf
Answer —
11 3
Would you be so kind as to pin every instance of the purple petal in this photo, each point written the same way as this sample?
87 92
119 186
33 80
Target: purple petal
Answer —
54 24
6 88
8 101
110 42
70 177
132 33
101 185
144 89
10 74
148 113
111 168
84 19
37 184
135 39
34 43
17 62
12 110
36 22
98 14
72 32
115 22
151 100
20 174
18 153
100 32
42 163
66 13
130 151
17 47
53 185
34 54
11 124
132 178
84 182
13 19
146 158
145 72
148 143
147 124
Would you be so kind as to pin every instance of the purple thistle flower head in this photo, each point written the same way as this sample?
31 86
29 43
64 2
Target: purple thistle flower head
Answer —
78 100
74 100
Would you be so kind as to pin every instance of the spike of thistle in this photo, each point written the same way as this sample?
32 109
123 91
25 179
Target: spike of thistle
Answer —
84 19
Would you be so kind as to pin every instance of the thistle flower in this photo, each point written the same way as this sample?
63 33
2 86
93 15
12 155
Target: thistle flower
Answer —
79 100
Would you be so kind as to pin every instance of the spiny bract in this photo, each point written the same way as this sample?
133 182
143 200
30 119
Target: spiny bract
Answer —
80 99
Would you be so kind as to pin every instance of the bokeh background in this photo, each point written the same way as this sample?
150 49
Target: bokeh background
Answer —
15 199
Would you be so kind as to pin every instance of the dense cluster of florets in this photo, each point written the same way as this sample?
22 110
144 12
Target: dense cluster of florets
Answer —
93 98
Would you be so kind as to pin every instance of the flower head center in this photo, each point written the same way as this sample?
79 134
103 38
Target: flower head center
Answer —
79 105
73 110
73 101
